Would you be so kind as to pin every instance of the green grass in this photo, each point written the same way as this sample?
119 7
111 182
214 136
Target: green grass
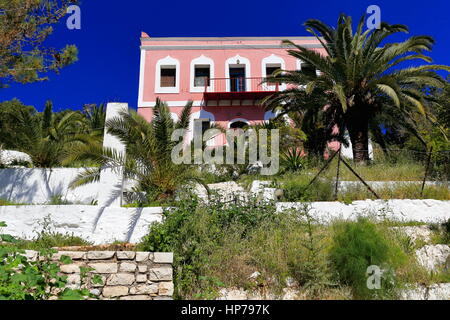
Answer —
8 203
220 247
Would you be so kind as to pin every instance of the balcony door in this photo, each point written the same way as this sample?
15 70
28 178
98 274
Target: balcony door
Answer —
237 79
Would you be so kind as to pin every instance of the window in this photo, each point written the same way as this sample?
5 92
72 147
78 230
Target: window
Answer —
308 69
168 76
202 74
270 70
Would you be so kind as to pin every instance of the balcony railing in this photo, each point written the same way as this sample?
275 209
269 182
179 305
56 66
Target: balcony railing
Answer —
238 88
239 84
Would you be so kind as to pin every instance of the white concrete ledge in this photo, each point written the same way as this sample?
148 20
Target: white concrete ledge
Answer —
427 211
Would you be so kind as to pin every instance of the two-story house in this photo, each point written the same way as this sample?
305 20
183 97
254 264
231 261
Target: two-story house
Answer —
222 76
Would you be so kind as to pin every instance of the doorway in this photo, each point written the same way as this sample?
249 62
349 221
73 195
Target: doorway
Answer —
237 79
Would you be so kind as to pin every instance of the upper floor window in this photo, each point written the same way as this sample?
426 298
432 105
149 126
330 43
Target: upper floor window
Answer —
167 78
271 64
202 70
202 75
308 69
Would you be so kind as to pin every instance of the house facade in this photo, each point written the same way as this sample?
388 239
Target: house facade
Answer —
222 76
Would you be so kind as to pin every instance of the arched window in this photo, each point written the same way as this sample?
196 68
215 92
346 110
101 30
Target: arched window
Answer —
167 78
202 69
238 125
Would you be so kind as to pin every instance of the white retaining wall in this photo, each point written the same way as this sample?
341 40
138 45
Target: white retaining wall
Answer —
427 211
38 186
94 223
106 225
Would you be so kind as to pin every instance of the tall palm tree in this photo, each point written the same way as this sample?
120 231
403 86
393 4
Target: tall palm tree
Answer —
359 77
147 161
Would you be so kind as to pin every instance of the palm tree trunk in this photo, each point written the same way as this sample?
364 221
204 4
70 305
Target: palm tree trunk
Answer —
357 124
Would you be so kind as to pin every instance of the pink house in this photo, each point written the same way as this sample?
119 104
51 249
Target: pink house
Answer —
222 76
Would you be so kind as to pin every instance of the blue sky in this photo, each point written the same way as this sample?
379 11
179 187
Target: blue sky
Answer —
108 42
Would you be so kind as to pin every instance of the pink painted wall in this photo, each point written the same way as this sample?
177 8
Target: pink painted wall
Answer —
155 49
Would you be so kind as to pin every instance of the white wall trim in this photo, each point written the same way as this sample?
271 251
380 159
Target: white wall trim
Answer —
151 104
202 60
237 120
141 78
234 63
167 61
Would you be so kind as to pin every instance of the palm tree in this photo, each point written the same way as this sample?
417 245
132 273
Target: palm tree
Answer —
45 137
359 78
148 159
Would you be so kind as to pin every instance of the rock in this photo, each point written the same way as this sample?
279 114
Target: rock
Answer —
166 289
142 256
104 267
74 279
439 291
115 292
419 233
95 292
433 257
255 275
255 168
8 157
74 255
100 255
121 279
290 283
127 267
142 268
32 256
144 289
137 298
126 255
161 257
141 278
290 294
70 268
160 274
233 294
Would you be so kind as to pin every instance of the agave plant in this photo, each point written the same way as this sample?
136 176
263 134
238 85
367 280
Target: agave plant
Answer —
360 77
148 161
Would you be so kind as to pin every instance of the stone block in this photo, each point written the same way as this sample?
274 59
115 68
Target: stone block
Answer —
100 255
104 268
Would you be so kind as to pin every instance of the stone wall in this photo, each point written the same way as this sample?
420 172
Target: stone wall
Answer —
126 275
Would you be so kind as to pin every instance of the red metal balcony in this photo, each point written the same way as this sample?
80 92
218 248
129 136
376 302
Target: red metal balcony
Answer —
238 89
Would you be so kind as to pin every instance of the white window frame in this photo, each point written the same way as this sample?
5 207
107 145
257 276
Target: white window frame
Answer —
243 62
202 61
272 61
167 62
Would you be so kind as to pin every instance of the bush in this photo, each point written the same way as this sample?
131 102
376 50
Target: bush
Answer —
356 247
193 231
22 279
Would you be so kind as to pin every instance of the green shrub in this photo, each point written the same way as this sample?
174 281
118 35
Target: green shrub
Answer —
359 245
22 279
296 189
193 231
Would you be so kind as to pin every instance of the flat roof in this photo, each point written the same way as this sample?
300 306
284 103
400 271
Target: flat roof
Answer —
224 38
